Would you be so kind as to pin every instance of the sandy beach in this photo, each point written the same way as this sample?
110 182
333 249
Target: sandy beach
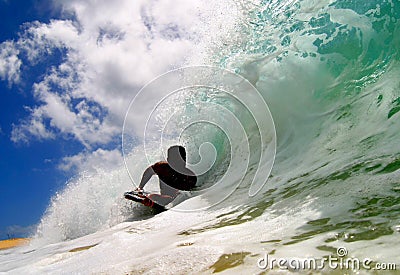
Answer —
6 244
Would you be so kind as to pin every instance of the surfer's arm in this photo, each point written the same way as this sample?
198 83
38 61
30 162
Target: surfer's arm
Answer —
147 174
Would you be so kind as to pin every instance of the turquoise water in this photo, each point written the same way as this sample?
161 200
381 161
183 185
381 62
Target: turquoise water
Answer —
330 74
329 71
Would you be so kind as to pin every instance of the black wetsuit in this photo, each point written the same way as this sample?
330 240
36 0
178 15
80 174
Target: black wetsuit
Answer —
171 181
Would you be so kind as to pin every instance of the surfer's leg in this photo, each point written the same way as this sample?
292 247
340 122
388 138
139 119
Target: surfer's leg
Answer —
167 190
161 199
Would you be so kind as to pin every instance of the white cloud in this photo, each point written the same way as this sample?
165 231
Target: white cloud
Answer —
109 51
91 162
10 65
35 126
15 231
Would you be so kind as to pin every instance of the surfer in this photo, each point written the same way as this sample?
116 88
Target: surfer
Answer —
173 176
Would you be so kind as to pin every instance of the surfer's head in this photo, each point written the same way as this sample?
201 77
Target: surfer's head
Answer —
177 156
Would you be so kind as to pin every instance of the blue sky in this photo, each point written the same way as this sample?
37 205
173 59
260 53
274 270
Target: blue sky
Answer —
29 175
68 70
26 178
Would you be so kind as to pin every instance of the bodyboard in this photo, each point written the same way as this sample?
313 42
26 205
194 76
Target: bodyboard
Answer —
142 197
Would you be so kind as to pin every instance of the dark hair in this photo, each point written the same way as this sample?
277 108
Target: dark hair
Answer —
173 150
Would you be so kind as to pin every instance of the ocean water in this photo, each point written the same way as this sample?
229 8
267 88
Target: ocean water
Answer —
329 72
